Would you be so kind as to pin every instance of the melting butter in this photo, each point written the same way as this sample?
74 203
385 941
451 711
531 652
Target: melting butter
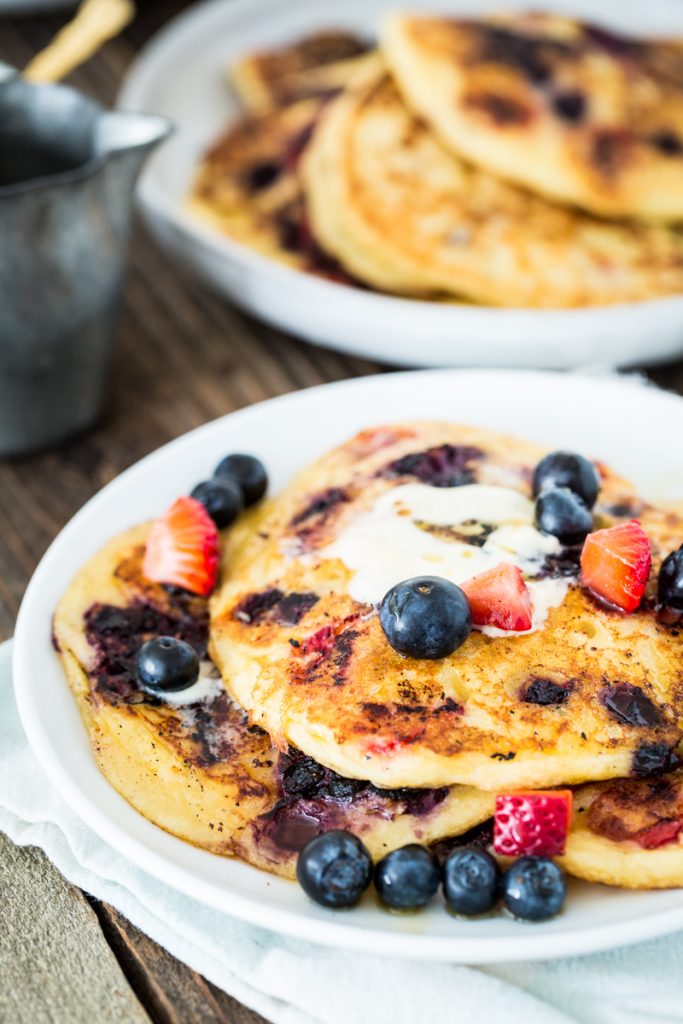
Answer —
392 541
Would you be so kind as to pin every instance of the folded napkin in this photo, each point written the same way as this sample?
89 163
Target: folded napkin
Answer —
291 982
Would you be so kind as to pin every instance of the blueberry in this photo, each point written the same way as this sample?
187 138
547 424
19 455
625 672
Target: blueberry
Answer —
165 665
534 888
563 514
425 617
670 584
471 880
249 473
222 499
564 469
407 879
334 869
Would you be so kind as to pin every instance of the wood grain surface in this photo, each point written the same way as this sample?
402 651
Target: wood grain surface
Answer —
183 357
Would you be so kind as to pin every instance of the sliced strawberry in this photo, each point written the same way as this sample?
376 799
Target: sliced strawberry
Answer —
182 548
499 597
658 835
615 564
532 824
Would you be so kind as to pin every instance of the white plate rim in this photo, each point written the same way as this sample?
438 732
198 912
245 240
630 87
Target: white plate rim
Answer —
335 929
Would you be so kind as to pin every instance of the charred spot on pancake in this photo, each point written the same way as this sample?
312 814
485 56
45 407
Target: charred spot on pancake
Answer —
532 56
610 150
446 465
320 505
653 759
503 110
376 711
667 142
630 705
570 105
341 656
116 634
545 692
273 605
499 756
626 808
448 707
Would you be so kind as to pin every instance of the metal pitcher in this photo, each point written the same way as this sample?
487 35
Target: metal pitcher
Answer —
67 175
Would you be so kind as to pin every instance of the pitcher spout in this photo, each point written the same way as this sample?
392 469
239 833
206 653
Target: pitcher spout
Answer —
119 133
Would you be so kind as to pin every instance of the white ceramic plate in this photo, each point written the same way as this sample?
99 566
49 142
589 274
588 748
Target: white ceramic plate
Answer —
181 74
624 423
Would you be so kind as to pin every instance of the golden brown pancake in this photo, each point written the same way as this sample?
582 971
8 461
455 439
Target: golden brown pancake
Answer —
571 111
200 770
403 214
627 833
316 65
327 681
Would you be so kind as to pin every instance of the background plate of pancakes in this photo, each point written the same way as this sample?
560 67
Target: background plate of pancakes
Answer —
182 74
622 421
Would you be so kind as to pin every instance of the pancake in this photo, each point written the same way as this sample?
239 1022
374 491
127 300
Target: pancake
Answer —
627 833
402 214
200 770
568 110
316 65
247 185
296 635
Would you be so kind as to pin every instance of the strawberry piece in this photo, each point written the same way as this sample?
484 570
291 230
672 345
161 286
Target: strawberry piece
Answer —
499 597
182 548
615 564
532 824
658 835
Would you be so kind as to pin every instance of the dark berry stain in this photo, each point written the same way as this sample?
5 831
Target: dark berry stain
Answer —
503 110
341 657
545 692
273 605
630 705
566 563
315 798
447 465
612 43
262 175
533 57
654 759
320 506
667 142
480 835
570 106
610 149
115 634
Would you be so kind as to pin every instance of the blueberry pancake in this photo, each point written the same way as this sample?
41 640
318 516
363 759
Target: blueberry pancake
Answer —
627 832
247 185
568 110
575 691
317 65
403 214
191 762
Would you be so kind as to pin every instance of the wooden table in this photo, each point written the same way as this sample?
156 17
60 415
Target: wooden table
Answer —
184 357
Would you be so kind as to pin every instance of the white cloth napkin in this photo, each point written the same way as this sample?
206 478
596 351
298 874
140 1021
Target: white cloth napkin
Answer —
292 982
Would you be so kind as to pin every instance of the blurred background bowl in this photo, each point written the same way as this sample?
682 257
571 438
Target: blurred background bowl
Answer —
181 74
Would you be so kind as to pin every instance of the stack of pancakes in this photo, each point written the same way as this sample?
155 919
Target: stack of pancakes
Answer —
317 723
517 160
